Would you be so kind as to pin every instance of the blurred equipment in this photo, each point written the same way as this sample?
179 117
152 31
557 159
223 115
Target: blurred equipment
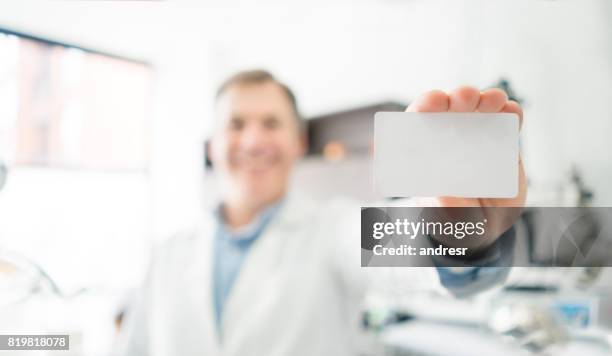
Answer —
353 129
534 327
18 280
339 151
582 195
21 278
588 277
3 174
504 84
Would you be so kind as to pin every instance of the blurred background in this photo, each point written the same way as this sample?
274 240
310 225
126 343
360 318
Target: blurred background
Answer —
105 108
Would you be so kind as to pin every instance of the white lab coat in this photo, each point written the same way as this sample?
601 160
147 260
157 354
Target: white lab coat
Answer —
297 293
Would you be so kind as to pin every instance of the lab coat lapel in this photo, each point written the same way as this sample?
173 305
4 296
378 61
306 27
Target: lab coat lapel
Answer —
263 260
199 280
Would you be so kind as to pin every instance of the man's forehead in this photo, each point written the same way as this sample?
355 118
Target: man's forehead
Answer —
256 97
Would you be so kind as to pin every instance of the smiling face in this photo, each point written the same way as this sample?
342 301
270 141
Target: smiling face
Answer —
256 142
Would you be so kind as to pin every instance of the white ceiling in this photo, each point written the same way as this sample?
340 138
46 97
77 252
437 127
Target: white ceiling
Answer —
379 50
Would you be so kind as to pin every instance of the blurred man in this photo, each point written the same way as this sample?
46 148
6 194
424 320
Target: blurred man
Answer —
268 272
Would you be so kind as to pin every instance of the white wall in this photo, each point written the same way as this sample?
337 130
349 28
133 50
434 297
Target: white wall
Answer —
559 55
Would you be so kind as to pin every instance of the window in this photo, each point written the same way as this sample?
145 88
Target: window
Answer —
67 107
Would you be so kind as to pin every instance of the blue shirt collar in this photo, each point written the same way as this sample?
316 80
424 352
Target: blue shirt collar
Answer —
253 229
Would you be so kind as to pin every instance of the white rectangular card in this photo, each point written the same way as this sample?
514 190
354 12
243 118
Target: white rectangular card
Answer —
446 154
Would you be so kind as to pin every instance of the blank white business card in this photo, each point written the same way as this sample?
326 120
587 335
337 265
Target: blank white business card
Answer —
446 154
